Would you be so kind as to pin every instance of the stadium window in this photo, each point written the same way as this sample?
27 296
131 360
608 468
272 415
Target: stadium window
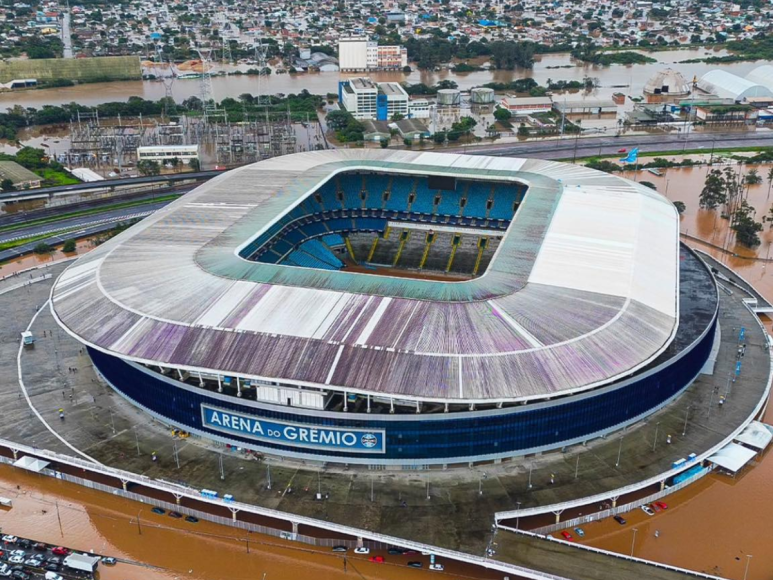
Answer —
437 200
363 195
489 204
457 240
463 202
412 198
340 195
317 198
385 197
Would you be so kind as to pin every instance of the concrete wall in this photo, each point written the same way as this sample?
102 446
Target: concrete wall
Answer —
108 68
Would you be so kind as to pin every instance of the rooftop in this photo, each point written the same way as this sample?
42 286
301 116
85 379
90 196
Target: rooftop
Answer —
581 291
16 173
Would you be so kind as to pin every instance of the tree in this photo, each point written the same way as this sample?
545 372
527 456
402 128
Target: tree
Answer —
745 226
397 117
680 207
753 177
43 248
384 143
713 193
439 137
502 115
31 158
7 185
408 142
148 167
69 246
523 130
337 120
194 164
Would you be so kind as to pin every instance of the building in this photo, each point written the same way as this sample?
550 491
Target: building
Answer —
376 130
259 324
419 109
727 85
358 53
587 106
21 177
526 105
736 113
365 99
164 153
412 129
666 84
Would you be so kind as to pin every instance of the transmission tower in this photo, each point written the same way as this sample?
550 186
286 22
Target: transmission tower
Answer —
262 97
209 107
168 78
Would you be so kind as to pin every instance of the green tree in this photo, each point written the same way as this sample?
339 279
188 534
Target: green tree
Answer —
397 117
680 207
753 177
43 248
337 120
502 115
408 142
148 167
439 137
69 246
713 192
7 185
194 164
31 158
384 143
523 130
745 226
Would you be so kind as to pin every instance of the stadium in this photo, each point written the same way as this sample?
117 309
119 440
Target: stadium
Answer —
398 308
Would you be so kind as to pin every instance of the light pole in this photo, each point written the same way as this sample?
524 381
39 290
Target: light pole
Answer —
686 415
655 442
746 571
577 466
518 515
268 472
620 449
531 466
633 543
136 440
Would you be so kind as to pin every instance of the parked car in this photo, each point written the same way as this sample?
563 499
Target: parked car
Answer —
340 549
409 552
53 576
158 510
192 519
579 532
16 559
362 550
108 561
622 150
8 539
60 551
620 520
33 562
40 547
415 564
20 575
395 551
24 543
54 560
437 567
20 553
648 510
175 515
567 536
661 505
655 507
51 567
5 570
377 559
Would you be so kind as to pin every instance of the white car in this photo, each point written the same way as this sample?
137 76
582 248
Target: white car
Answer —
362 550
5 571
16 559
53 576
10 539
648 510
437 567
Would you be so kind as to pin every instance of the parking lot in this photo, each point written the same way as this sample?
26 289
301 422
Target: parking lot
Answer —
25 559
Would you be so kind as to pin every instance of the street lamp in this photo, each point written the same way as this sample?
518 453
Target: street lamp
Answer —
654 443
633 543
746 571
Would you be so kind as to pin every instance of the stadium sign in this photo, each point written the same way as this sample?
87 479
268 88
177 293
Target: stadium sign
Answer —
294 434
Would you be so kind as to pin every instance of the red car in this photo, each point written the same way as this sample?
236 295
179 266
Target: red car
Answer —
567 536
660 504
377 559
622 150
59 551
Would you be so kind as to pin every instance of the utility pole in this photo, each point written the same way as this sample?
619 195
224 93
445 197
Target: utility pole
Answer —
686 415
620 449
222 473
136 439
655 442
139 527
633 543
268 470
577 466
59 519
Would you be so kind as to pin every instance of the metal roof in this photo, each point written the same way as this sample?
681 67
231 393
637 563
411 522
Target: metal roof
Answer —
725 84
582 290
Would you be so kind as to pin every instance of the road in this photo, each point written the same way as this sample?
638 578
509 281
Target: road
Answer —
66 39
590 146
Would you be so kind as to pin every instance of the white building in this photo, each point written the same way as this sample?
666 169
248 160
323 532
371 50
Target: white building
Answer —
166 153
357 53
419 109
365 99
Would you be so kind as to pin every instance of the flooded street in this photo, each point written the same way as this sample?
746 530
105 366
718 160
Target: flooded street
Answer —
628 79
170 548
713 525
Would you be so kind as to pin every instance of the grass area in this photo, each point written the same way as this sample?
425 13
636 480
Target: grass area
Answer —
38 238
679 152
86 212
55 177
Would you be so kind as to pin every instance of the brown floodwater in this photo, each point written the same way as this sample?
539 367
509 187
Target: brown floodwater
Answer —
164 549
549 66
714 524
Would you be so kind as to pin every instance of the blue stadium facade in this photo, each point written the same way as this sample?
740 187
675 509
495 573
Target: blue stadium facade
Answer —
443 438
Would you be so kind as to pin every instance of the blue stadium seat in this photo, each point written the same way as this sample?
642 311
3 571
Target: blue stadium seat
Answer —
449 203
377 185
505 196
333 240
401 188
320 252
477 196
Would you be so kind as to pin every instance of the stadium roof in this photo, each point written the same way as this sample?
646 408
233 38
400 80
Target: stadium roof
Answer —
582 290
762 75
728 85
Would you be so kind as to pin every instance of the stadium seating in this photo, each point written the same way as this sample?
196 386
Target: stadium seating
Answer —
401 189
449 203
505 196
320 252
477 196
333 240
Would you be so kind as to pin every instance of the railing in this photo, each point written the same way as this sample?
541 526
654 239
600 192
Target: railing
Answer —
621 509
616 555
